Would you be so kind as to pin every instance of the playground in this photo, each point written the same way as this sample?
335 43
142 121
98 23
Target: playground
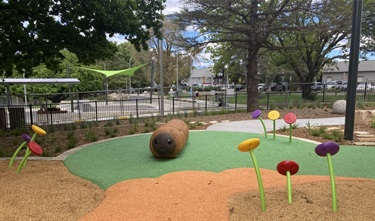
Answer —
119 179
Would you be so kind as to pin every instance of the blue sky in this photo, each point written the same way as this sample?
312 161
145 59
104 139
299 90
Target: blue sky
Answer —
201 60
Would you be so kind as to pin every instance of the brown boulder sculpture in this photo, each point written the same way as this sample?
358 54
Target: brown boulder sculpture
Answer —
169 139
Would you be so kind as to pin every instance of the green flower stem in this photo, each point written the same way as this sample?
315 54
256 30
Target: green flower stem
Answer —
289 184
33 137
16 153
274 129
260 182
333 185
264 126
290 133
23 162
27 154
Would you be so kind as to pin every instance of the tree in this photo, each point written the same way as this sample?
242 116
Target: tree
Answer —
323 28
171 44
244 25
34 32
368 27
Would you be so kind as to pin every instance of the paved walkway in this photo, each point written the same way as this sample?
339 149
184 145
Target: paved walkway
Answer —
255 126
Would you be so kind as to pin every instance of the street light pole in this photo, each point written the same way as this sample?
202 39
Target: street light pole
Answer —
152 78
191 74
161 78
130 85
177 84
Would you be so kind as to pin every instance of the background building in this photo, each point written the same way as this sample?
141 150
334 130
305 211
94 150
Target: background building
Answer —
366 72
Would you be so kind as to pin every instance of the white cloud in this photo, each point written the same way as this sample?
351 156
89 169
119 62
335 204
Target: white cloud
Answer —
171 6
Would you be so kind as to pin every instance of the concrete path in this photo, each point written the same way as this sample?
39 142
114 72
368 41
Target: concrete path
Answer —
255 126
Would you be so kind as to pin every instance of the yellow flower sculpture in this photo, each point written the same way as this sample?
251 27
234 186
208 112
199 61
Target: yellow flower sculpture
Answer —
273 115
38 130
249 144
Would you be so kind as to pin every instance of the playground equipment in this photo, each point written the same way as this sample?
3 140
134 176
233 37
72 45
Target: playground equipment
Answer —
329 149
290 118
274 115
169 139
248 146
288 168
32 147
256 114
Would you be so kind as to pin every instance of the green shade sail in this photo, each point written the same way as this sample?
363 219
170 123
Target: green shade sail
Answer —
128 72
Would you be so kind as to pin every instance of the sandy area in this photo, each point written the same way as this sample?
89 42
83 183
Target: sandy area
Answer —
45 190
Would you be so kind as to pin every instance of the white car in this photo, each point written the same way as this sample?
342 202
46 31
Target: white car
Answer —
260 86
363 86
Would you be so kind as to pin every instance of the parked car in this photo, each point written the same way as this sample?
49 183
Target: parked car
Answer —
280 86
366 86
261 86
331 85
343 86
239 87
317 86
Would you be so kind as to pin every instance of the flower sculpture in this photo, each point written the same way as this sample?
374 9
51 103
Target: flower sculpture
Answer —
32 147
290 118
329 149
256 114
274 115
288 168
248 146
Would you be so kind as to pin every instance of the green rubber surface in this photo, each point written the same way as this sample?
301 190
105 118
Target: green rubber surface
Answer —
106 163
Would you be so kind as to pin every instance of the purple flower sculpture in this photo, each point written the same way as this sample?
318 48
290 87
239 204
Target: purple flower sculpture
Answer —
328 149
256 114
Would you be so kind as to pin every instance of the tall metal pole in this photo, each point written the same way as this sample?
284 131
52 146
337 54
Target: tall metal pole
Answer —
191 75
177 84
353 69
130 79
161 78
70 89
152 78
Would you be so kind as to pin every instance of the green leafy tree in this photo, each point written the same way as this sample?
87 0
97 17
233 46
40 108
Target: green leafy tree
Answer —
324 29
245 25
34 32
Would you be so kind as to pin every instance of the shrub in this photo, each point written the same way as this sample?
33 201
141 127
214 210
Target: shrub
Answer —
91 136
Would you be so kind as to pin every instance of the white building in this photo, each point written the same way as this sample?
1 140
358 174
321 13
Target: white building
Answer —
366 72
202 77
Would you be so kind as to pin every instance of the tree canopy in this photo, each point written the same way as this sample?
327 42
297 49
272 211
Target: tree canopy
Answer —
34 32
303 33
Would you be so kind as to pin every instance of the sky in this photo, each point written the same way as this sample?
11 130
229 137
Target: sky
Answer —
171 6
201 60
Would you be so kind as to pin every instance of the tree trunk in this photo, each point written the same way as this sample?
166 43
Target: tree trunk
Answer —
252 84
307 93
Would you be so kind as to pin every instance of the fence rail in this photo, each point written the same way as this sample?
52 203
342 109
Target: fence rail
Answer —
143 105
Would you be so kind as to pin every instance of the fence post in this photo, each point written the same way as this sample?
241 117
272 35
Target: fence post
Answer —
268 100
96 111
78 106
235 102
136 107
172 105
205 102
50 109
365 92
31 114
324 92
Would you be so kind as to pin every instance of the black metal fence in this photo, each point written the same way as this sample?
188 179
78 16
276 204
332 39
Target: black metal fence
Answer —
101 106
